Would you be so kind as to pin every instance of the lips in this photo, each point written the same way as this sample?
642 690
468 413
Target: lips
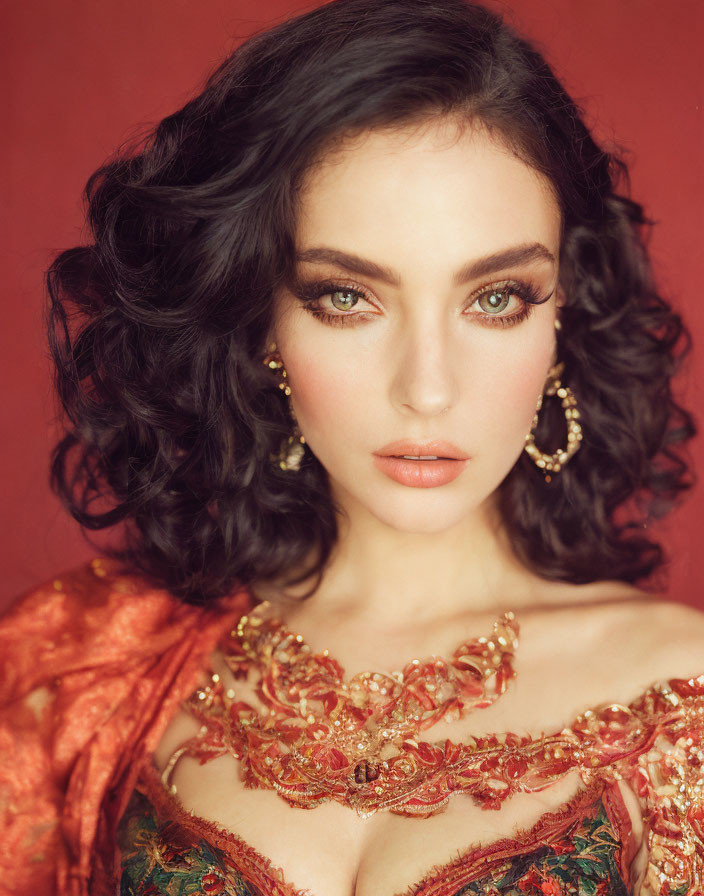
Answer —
437 448
420 473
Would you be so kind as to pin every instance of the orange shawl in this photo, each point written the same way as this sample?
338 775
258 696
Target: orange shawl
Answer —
93 665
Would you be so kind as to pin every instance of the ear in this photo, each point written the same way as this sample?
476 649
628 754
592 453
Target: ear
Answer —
560 297
268 340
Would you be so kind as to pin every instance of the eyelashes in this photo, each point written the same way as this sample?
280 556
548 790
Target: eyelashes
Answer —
310 293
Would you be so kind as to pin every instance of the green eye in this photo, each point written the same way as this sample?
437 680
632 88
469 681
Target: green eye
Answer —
495 299
347 303
491 300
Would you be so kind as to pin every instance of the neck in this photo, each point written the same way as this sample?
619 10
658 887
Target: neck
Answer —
393 580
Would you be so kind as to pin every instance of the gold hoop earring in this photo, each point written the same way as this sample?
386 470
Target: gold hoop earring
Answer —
555 462
292 448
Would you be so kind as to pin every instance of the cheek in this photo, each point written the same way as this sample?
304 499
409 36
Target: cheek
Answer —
329 399
330 387
335 408
342 404
505 399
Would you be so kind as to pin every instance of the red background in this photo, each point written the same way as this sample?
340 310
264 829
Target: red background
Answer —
79 77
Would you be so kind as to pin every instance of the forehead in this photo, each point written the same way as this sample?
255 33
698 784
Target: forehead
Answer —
431 187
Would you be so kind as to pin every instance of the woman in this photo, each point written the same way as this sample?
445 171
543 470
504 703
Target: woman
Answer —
372 365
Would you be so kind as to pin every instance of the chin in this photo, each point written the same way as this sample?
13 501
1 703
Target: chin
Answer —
425 512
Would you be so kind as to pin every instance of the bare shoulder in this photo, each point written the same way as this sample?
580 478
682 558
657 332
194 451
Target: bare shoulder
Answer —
665 636
631 636
675 632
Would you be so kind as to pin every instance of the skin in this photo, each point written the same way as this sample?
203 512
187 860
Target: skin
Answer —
422 201
417 570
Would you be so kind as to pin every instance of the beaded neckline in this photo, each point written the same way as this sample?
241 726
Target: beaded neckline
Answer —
362 724
260 640
323 737
281 750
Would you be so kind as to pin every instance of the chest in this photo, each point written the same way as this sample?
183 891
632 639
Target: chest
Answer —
565 832
566 835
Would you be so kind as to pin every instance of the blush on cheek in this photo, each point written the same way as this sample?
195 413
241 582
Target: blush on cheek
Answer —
326 401
511 403
523 399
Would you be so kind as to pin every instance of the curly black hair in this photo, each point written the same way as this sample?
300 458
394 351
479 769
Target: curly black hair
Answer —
157 328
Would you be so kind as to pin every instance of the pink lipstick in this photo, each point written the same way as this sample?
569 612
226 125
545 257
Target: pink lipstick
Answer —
421 464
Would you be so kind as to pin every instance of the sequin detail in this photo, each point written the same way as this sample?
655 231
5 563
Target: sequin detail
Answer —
655 743
320 737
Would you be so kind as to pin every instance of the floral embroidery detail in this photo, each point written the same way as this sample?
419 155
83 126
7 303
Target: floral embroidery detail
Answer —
160 859
323 737
299 755
670 780
655 744
582 863
584 848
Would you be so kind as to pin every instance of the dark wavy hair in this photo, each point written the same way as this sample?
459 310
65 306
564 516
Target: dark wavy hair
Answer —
157 328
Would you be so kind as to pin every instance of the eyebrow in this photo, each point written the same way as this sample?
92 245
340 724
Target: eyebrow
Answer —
480 267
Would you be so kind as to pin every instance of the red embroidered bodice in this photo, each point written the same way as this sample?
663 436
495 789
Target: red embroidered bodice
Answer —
95 663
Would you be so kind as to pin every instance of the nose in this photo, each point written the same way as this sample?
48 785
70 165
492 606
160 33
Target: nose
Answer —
426 376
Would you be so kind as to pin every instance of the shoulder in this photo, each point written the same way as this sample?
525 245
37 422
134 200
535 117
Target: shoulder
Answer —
82 601
673 634
97 586
85 615
93 663
667 777
95 614
663 638
620 640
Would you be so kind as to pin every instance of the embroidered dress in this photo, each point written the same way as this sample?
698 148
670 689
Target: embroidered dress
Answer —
93 666
588 843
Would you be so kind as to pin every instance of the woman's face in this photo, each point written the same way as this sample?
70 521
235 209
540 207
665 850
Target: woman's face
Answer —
436 345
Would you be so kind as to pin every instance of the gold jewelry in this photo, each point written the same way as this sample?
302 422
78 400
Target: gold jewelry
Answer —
321 736
554 462
292 448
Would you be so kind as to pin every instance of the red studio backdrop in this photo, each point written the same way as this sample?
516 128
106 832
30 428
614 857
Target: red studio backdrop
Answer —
80 77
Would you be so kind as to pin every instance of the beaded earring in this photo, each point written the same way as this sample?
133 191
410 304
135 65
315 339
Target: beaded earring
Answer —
292 448
556 461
